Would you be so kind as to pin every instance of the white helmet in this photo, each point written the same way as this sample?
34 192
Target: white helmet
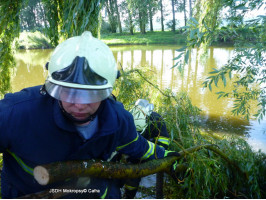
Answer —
81 70
140 111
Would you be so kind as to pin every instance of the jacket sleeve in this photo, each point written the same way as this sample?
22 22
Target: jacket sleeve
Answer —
135 145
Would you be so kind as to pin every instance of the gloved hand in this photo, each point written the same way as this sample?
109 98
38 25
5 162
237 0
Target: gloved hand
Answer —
176 175
171 153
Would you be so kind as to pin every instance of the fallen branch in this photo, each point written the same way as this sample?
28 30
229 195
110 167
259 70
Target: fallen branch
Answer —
59 171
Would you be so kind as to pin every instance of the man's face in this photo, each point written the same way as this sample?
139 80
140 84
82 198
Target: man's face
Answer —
81 111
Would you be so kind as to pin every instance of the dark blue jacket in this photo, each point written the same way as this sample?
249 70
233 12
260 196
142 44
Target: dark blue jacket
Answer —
33 131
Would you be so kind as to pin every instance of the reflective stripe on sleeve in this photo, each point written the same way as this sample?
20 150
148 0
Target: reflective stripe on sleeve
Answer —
150 151
164 140
104 194
122 146
25 167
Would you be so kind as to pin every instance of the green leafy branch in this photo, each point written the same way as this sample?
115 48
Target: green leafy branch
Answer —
247 65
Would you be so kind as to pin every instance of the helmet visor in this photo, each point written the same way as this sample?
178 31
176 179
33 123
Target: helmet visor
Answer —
76 95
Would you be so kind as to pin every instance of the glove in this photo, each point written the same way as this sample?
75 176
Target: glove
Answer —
177 176
171 153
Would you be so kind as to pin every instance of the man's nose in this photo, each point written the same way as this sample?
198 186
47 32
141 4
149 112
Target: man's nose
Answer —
80 106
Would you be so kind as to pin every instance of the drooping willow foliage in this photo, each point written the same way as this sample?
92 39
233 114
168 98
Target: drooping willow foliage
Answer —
207 14
9 29
70 18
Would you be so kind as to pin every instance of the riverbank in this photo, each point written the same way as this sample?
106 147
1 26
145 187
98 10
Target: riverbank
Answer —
156 37
36 40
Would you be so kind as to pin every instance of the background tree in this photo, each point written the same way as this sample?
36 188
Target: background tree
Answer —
139 8
185 12
109 5
190 9
173 12
118 17
153 6
127 7
162 17
32 16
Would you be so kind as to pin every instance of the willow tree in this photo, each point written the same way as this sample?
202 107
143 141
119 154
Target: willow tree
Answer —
9 29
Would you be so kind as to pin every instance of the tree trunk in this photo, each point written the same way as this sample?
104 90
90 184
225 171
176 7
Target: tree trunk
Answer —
185 16
118 17
142 22
42 17
173 11
150 17
131 28
162 20
111 16
190 9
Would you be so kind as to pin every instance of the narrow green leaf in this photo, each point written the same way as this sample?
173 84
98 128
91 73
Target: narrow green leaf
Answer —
194 20
216 79
181 49
210 87
179 56
187 56
192 33
224 79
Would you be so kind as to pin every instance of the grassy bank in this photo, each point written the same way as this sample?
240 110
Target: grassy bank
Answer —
36 40
156 37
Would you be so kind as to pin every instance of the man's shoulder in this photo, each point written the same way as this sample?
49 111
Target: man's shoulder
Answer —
26 95
118 107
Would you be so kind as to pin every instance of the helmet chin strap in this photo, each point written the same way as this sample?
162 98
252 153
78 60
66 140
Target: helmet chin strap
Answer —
77 121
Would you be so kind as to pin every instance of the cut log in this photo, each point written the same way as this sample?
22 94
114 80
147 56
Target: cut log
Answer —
59 171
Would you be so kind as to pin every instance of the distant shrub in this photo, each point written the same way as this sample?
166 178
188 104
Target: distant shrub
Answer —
32 40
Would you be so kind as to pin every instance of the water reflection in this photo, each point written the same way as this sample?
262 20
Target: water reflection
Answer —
160 60
217 115
30 70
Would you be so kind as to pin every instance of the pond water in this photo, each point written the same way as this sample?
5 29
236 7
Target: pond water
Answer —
216 114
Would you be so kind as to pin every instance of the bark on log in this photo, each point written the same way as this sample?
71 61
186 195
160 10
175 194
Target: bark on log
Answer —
54 172
60 171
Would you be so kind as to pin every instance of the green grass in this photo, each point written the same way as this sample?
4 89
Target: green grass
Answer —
156 37
36 40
